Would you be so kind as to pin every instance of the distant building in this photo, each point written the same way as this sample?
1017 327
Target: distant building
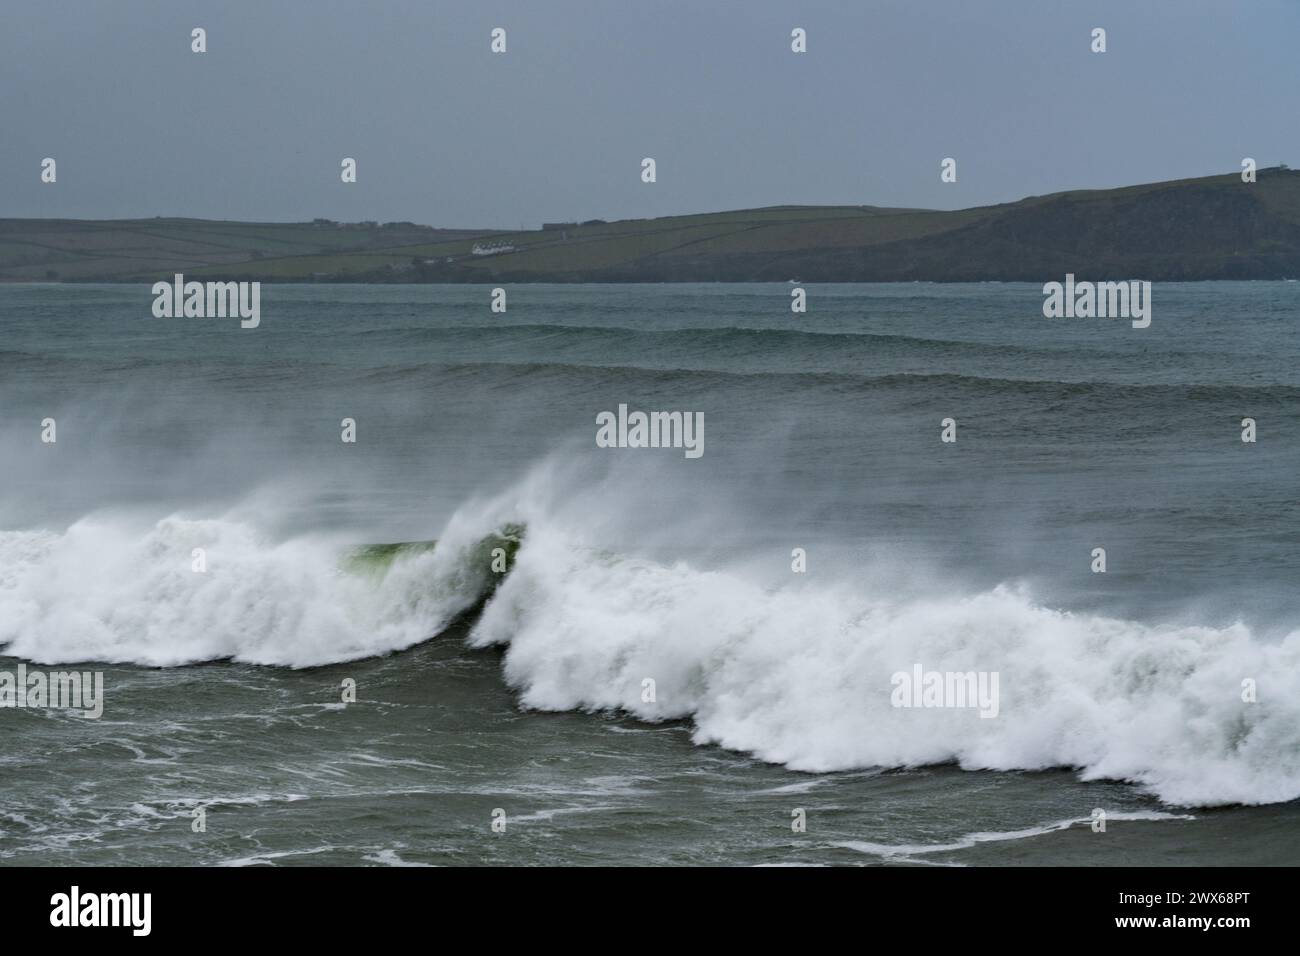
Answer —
547 226
482 250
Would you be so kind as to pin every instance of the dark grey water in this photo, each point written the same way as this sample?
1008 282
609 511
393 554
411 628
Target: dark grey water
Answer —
1120 691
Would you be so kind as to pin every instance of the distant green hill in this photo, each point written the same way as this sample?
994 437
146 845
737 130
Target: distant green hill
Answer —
1210 228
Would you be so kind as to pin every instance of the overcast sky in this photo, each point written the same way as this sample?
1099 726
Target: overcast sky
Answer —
447 133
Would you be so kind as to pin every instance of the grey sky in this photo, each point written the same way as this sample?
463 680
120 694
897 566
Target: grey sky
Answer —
447 133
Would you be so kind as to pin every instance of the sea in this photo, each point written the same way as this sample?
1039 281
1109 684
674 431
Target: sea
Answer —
679 660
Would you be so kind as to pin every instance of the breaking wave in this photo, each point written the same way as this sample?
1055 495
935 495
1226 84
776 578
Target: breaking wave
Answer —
797 675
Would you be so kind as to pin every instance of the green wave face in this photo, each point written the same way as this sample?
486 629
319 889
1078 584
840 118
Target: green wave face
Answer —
376 559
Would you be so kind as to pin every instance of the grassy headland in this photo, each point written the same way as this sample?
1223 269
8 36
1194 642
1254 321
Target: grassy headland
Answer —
1209 228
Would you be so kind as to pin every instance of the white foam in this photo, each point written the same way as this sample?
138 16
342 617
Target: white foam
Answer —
800 676
907 852
110 590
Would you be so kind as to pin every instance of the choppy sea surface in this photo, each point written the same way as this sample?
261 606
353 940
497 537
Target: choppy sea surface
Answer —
522 696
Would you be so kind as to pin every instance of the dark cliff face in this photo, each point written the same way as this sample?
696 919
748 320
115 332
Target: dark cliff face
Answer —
1212 230
1216 229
